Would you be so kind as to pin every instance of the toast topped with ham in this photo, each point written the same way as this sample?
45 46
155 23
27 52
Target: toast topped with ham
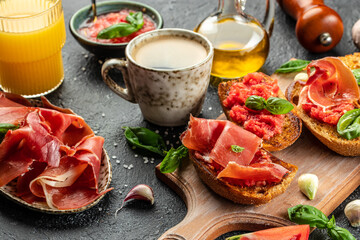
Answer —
231 162
328 103
277 131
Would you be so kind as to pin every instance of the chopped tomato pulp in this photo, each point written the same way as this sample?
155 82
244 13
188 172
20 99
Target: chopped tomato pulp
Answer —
327 115
262 123
92 29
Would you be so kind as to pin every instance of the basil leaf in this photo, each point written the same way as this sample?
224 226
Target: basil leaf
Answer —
255 102
305 214
135 23
338 233
278 105
292 66
4 128
145 139
173 159
356 73
135 19
237 149
349 124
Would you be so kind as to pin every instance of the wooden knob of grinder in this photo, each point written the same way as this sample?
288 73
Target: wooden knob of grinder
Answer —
318 28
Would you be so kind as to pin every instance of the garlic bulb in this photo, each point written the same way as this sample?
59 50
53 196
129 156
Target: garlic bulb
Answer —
352 212
308 184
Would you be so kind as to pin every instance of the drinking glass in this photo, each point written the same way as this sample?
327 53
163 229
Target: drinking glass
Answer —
32 34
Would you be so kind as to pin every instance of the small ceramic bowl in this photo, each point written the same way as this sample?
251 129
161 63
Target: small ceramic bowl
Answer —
108 49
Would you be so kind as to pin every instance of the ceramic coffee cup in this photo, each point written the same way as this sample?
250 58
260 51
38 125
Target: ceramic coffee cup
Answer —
168 94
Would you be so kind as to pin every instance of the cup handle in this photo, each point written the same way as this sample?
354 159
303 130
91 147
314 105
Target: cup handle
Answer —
125 93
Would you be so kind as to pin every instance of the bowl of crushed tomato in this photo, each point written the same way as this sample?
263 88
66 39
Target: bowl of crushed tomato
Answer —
85 29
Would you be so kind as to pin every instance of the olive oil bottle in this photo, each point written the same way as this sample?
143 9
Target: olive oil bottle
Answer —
241 44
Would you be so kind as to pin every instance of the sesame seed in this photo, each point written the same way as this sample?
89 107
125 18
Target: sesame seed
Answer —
125 166
146 161
174 136
83 68
114 157
166 133
167 142
136 155
120 192
75 78
96 132
86 56
210 108
103 115
152 159
117 161
100 209
115 144
125 185
100 62
130 166
157 131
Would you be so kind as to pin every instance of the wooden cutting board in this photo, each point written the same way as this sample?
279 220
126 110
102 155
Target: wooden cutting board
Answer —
209 215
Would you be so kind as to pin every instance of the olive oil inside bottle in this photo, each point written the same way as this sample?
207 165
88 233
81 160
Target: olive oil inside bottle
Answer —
240 46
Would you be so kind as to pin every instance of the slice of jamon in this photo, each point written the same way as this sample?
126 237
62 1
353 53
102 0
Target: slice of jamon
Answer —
73 183
331 83
258 172
215 138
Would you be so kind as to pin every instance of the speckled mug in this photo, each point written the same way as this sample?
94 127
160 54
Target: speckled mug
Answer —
166 97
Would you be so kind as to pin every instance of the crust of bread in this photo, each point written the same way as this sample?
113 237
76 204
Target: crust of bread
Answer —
326 133
291 129
255 195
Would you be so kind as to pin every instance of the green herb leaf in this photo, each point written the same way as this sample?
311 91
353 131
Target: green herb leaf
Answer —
237 149
145 139
356 73
255 102
173 159
278 105
135 19
4 128
292 66
338 233
135 23
305 214
349 124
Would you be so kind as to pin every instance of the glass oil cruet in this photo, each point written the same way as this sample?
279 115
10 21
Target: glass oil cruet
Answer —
241 42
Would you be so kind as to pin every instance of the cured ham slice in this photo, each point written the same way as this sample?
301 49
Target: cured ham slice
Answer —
74 181
53 154
202 134
235 135
256 172
214 139
331 83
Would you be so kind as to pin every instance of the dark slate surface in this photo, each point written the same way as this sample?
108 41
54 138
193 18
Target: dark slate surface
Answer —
84 91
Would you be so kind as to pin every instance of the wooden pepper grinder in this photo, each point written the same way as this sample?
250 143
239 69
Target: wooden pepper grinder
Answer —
318 28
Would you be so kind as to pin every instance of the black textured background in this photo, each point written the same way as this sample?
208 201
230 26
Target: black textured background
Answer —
85 93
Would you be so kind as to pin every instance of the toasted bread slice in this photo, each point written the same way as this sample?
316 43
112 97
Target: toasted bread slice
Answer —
244 195
291 128
326 133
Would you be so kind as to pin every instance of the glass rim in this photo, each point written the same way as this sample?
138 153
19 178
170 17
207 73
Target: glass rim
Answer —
33 15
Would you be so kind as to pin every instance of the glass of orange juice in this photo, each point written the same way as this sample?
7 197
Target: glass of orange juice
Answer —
32 33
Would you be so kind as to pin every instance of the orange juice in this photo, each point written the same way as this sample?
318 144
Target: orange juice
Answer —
30 47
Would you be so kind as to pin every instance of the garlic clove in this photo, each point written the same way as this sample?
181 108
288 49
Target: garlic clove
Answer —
301 77
352 212
308 184
139 192
356 34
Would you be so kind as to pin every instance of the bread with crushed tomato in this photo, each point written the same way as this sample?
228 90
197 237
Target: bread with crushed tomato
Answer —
255 195
327 133
291 128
